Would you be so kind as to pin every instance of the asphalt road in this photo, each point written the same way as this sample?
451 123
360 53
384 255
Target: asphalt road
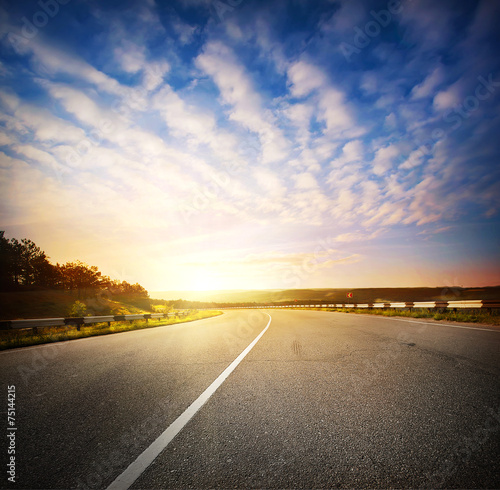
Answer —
323 400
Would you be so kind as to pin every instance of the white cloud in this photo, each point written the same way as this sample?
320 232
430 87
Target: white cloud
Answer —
336 114
47 127
54 60
185 32
9 99
415 159
352 152
449 97
357 237
35 154
428 86
304 78
278 260
384 159
130 56
270 181
330 102
5 139
80 105
237 90
305 181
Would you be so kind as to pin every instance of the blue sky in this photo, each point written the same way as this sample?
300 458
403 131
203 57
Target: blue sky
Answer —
218 144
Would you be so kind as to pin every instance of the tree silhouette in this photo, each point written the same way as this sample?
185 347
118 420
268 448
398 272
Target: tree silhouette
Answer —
23 266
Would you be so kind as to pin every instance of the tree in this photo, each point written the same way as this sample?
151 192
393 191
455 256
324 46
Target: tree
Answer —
78 276
23 264
6 275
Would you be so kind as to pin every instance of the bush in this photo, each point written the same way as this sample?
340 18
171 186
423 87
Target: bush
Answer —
78 309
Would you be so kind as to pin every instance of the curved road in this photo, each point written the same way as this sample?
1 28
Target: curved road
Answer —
322 400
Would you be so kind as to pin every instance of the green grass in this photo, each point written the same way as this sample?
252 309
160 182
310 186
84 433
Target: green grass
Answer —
10 339
450 316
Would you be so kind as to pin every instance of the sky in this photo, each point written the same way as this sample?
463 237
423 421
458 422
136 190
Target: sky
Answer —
248 144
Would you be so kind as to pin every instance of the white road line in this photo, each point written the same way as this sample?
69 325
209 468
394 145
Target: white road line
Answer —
135 470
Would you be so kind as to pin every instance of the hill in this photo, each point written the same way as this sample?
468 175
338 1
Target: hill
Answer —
361 295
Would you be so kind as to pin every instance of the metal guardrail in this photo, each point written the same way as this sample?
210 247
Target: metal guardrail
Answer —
487 305
84 320
409 305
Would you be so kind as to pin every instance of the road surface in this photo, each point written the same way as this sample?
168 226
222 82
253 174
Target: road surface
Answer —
323 400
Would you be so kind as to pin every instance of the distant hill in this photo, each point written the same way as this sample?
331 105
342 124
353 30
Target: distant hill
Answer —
361 295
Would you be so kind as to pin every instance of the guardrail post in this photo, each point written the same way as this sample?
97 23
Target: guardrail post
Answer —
78 321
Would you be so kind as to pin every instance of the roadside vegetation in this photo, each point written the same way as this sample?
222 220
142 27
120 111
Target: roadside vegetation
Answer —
472 316
32 287
10 339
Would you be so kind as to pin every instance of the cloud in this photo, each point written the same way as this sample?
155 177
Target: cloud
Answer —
384 159
52 60
330 102
428 86
449 97
336 114
237 90
317 260
305 181
5 139
352 152
356 237
130 56
415 159
270 181
46 127
304 78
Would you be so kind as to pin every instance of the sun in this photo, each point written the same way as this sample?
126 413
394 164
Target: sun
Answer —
203 280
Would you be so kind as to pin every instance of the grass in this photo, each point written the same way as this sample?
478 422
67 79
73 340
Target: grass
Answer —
10 339
450 316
